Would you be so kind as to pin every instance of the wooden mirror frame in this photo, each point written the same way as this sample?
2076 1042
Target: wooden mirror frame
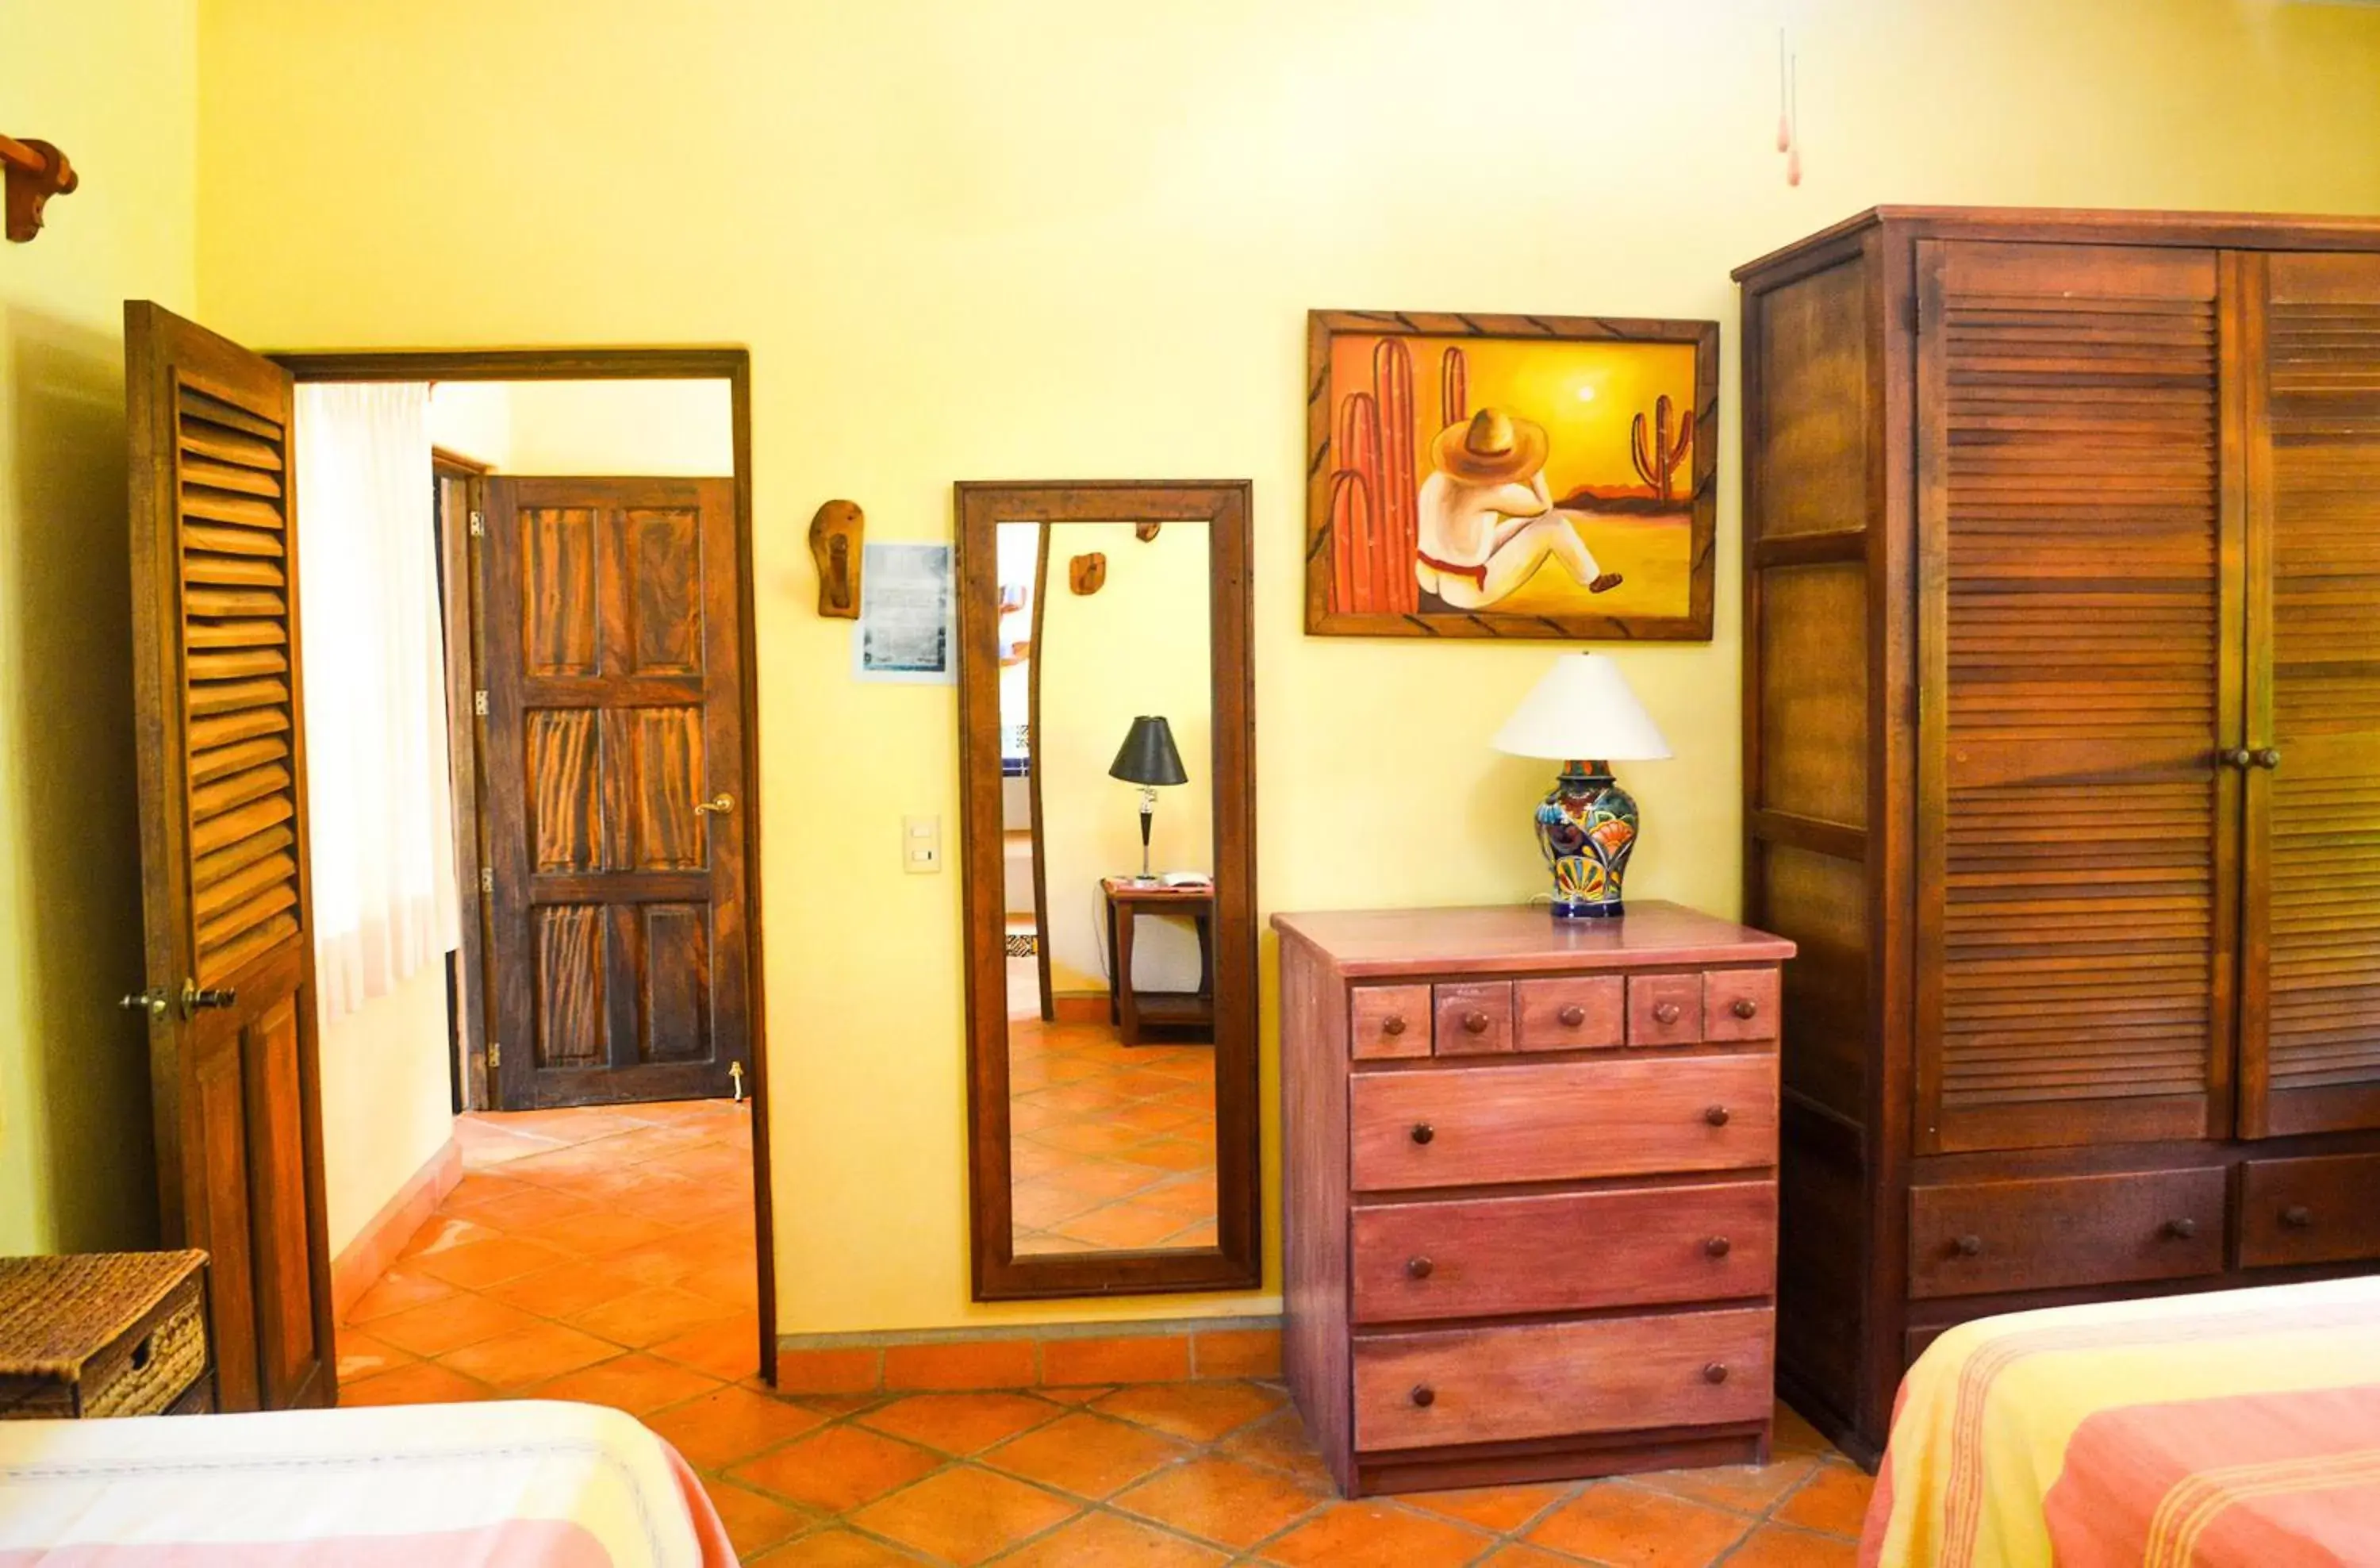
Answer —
1236 1261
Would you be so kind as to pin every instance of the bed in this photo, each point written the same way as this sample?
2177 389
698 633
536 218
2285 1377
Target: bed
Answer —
2231 1429
529 1484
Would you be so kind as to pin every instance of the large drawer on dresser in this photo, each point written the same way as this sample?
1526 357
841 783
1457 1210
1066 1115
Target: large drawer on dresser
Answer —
1563 1252
1967 1238
2325 1209
1566 1121
1553 1379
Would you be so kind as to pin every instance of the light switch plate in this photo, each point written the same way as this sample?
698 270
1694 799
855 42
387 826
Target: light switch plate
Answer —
921 845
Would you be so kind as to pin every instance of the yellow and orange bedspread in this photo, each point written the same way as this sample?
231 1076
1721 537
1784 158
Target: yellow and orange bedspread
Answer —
2230 1429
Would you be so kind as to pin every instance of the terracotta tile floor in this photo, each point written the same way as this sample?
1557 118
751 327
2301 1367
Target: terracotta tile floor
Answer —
605 1255
1114 1146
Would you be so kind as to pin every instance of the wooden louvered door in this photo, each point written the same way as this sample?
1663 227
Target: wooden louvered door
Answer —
230 992
613 741
2310 1041
2078 837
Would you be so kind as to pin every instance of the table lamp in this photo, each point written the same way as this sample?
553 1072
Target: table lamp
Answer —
1582 709
1148 758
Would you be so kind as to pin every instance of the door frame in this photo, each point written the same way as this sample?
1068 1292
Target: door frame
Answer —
734 366
459 613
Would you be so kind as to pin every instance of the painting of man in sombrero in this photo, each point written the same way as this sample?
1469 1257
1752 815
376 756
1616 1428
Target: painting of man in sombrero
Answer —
1549 477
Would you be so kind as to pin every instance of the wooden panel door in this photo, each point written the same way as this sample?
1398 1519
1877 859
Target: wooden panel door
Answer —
2310 1045
227 915
2077 829
614 741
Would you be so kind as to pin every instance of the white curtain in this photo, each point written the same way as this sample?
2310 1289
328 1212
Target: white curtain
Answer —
378 807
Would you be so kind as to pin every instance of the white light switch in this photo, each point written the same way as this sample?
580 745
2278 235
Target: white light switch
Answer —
921 844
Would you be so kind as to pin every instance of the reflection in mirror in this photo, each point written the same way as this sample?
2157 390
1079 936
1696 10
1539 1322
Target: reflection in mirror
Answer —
1106 764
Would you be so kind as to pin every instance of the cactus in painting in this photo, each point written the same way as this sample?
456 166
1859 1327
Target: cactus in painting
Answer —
1657 458
1389 564
1355 487
1453 388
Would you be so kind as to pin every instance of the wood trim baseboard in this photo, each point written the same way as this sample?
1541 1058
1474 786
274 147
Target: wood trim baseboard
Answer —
1031 1355
362 1261
1080 1007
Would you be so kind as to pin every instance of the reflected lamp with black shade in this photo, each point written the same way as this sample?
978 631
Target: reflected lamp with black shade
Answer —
1149 759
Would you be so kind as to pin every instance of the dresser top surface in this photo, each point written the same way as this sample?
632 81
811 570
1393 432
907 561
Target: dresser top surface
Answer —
1511 938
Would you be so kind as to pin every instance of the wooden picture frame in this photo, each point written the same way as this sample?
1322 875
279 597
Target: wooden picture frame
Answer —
1586 419
1236 1260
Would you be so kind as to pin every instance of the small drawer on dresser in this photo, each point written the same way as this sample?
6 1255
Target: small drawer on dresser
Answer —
1388 1021
1582 1014
1664 1009
1474 1018
1561 1121
1740 1004
1563 1252
1554 1379
2320 1210
1967 1238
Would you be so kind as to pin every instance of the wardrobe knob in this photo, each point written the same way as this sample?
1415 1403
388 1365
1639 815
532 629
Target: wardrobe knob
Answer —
1665 1012
1718 1246
1716 1372
1573 1016
1419 1268
1716 1115
1423 1132
1968 1247
1394 1024
2267 758
2297 1216
2181 1229
1744 1007
1474 1023
2235 757
1425 1395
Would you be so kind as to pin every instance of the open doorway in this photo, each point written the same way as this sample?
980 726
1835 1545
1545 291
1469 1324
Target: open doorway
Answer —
598 1011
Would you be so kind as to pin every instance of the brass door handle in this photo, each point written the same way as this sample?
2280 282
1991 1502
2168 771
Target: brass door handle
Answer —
722 804
152 1001
2267 758
194 999
2235 757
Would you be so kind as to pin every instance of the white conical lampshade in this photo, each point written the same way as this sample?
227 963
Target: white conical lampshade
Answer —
1583 711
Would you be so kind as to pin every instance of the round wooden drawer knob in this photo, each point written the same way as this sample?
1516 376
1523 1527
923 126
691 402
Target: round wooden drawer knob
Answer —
1744 1007
1718 1246
2297 1216
1420 1267
1968 1247
1716 1115
1573 1016
1474 1023
2181 1229
1716 1372
1665 1012
1423 1132
1425 1395
1394 1024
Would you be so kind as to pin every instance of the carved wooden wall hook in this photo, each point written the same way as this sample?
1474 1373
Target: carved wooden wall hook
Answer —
35 172
838 533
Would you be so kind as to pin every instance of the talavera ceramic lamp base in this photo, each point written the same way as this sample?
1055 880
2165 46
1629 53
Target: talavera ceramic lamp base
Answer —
1586 825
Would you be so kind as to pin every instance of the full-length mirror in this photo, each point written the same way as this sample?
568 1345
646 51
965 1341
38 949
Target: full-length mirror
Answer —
1105 721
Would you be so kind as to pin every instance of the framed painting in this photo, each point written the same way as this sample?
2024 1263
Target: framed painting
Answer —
1510 476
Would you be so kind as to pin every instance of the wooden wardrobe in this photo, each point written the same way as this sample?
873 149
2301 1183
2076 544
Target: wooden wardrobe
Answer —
2062 764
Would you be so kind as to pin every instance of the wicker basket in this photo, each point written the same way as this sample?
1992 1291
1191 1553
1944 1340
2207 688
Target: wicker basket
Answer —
96 1335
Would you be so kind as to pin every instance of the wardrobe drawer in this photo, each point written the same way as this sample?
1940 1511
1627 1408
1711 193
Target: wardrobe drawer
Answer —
1563 1252
1967 1238
1664 1009
1388 1021
1553 1379
2321 1211
1561 1121
1740 1004
1474 1019
1584 1014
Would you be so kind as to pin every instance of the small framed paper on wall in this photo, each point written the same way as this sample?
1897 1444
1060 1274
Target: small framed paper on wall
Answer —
906 632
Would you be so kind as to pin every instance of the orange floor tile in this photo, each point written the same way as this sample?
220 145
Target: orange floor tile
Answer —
593 1255
1112 1146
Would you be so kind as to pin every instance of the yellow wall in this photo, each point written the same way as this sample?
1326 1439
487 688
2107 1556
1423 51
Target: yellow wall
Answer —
587 427
387 1097
114 83
1137 646
1073 238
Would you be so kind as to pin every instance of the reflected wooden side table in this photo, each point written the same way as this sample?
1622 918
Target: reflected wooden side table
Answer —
1133 1010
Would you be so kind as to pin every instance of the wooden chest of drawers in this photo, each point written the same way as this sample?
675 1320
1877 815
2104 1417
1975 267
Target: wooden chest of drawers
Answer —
97 1334
1530 1191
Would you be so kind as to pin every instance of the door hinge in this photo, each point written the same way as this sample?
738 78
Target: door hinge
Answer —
480 703
487 881
478 524
495 1056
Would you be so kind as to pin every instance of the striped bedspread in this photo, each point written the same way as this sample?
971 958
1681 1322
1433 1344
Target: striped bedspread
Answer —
2233 1429
519 1485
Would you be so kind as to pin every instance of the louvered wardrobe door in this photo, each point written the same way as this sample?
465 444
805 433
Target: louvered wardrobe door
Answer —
2075 827
2310 1049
